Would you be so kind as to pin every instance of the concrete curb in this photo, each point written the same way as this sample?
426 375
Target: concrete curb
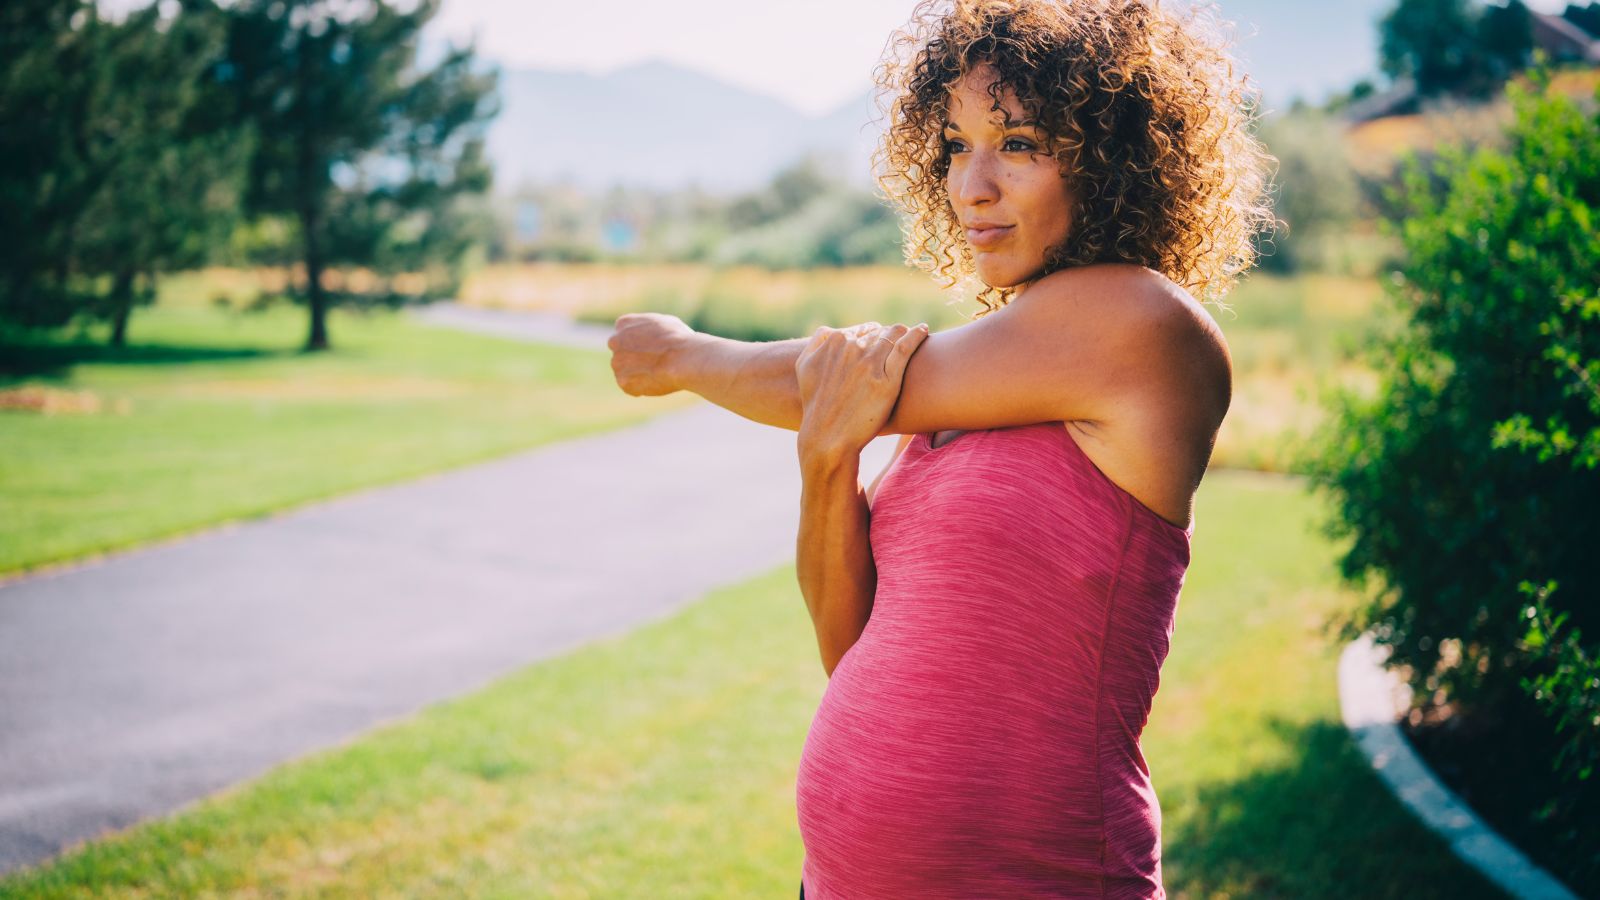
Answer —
1371 698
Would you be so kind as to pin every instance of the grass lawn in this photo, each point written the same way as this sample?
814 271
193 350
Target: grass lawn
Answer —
209 416
662 763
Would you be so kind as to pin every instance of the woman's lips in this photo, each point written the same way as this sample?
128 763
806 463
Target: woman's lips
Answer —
984 238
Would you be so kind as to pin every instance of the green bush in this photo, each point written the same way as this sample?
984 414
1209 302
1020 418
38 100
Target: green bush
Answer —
1473 471
1570 689
835 228
1316 194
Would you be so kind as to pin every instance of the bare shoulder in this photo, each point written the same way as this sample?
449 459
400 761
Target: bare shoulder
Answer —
1172 387
1124 297
1089 344
1158 332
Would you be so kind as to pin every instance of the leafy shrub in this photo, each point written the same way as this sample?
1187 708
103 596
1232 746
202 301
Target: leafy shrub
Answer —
1315 191
1570 689
1473 473
833 229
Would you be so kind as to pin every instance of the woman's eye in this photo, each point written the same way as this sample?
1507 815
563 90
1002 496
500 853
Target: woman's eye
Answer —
1025 146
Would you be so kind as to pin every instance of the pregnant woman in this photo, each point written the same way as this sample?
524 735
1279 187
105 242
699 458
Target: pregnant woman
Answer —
994 609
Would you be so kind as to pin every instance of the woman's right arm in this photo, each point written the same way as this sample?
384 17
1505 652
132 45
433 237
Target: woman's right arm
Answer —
654 354
1087 343
755 380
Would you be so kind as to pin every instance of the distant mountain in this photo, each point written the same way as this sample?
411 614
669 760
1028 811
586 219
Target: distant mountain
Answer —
660 125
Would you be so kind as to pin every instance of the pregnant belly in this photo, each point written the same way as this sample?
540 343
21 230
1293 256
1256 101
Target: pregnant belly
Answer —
928 765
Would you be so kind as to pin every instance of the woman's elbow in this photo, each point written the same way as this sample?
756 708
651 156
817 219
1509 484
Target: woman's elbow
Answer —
833 655
828 665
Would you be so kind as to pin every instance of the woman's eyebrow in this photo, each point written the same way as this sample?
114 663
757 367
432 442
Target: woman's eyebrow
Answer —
1026 123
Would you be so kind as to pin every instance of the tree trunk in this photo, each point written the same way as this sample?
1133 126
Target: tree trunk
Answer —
315 298
309 194
122 307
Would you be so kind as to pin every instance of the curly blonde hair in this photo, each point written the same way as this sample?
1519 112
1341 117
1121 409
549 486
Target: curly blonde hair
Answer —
1144 109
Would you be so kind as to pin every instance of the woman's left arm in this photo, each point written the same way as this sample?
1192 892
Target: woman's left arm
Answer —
833 557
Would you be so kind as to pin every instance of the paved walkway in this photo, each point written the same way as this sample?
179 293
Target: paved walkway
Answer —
135 685
544 327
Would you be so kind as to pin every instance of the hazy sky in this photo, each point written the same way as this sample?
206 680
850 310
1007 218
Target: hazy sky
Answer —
816 54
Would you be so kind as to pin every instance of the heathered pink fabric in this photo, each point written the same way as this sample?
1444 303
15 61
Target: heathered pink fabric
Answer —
981 738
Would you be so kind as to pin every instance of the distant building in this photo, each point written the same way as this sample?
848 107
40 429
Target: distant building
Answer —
527 221
619 235
1397 99
1564 40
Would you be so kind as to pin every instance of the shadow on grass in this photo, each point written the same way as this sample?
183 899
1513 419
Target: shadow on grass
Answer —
1321 825
21 359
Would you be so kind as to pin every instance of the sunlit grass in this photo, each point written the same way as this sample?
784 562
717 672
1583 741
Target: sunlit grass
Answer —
209 416
1292 339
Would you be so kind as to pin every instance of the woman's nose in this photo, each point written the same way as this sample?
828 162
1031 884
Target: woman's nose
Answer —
974 180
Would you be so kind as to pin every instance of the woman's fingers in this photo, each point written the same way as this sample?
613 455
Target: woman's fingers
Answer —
876 345
872 342
895 352
863 330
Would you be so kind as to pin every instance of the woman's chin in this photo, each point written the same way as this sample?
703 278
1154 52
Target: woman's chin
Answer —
1001 276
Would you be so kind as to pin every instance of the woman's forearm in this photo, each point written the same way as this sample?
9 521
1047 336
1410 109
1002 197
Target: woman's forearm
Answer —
833 556
754 379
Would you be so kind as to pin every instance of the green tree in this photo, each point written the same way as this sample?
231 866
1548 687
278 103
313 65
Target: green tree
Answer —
1585 17
792 188
171 165
364 149
1428 41
43 77
51 79
1454 46
1505 39
112 165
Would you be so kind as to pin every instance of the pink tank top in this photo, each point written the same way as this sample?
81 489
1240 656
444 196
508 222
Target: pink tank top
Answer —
981 737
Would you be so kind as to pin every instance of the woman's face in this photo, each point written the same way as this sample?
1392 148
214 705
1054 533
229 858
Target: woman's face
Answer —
1005 177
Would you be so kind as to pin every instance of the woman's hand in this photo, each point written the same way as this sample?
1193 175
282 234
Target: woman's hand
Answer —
644 347
849 381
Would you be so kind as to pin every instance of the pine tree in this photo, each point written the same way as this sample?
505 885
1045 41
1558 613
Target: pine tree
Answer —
361 147
113 166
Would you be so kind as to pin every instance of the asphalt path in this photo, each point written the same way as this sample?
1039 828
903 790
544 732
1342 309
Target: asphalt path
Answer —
134 685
